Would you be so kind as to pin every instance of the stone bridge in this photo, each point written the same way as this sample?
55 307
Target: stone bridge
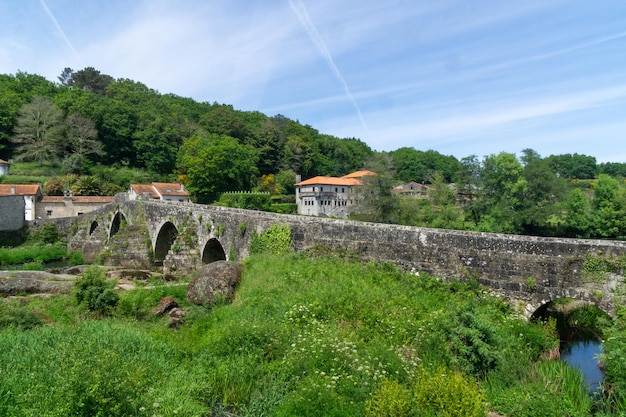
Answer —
528 271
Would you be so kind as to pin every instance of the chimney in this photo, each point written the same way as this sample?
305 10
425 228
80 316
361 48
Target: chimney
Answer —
298 178
13 191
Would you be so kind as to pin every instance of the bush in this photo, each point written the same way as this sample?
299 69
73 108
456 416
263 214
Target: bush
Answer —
76 258
19 318
275 240
46 235
256 201
448 394
94 293
284 208
390 400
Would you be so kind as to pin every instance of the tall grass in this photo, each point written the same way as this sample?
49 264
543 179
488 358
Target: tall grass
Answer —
306 337
95 368
22 255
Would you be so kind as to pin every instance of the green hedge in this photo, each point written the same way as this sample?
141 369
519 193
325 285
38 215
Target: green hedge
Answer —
258 201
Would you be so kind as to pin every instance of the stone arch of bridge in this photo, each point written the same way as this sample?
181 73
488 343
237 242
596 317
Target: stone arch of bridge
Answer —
213 251
164 240
92 227
534 307
543 308
116 223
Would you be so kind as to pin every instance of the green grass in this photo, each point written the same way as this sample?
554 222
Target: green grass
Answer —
303 337
30 254
32 169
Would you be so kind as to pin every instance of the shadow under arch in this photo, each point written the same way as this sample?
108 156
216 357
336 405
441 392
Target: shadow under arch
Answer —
116 223
213 251
93 227
561 307
164 241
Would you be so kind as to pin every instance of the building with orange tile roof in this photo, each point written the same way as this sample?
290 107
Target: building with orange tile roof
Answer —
329 196
164 191
30 192
53 207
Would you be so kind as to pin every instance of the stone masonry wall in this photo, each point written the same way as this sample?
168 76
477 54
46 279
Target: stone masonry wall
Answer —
11 212
533 270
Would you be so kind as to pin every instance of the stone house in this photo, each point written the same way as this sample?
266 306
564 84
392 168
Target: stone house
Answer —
30 192
164 191
330 196
413 189
52 207
4 167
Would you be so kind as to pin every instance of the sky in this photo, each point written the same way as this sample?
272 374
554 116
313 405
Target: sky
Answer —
462 77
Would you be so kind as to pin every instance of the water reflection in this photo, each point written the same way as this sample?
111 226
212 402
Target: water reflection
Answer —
583 354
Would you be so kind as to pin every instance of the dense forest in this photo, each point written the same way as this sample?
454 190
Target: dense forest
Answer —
99 134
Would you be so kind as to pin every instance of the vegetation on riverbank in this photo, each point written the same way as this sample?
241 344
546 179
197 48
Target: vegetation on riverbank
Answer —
33 250
304 336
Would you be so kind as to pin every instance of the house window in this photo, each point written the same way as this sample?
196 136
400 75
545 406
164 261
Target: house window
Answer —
49 212
336 189
342 190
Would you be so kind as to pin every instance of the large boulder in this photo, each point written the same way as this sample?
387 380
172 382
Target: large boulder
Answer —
33 282
214 282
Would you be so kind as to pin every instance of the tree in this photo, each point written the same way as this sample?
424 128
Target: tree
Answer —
82 136
89 79
608 209
445 213
502 193
542 197
377 203
39 131
212 164
574 166
529 155
66 76
578 214
414 165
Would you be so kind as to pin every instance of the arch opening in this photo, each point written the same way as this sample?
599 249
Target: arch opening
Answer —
213 251
164 241
93 227
116 223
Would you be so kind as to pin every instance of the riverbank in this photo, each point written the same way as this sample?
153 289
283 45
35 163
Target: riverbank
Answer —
304 336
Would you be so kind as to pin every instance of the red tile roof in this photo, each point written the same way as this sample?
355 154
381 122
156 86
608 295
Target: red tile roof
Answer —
360 174
84 199
347 180
170 188
2 161
321 180
20 189
144 188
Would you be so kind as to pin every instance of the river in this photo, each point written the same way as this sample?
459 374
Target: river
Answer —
583 354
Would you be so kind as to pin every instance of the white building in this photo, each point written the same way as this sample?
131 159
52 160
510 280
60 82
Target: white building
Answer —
30 192
4 167
330 196
164 191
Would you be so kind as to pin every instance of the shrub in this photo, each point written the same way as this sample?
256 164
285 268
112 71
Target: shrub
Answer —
94 293
47 234
19 318
449 394
390 400
275 240
76 258
244 200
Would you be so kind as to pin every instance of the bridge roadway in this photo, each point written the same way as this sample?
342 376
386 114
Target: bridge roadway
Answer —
528 271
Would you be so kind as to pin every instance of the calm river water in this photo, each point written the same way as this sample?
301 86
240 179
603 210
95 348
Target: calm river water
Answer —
583 354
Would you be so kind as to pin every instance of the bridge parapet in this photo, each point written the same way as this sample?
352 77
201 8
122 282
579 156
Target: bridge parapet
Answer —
531 270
